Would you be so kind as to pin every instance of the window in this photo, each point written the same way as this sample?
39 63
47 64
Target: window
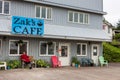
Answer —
82 49
49 13
95 51
16 48
47 48
104 26
85 18
37 11
81 18
78 17
0 46
0 6
109 29
43 12
75 17
70 16
4 7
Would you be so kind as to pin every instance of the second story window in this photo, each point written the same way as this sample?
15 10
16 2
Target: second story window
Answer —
78 17
43 12
109 29
4 7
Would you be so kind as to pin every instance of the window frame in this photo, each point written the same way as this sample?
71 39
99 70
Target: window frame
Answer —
18 48
82 19
69 16
81 44
74 17
109 30
3 3
1 46
46 14
46 48
73 21
87 19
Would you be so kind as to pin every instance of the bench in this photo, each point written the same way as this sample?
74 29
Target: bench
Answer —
3 64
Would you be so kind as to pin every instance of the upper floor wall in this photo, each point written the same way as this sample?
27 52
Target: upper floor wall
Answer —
78 25
88 4
108 29
59 15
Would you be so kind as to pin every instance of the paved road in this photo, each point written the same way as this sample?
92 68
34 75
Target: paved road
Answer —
65 73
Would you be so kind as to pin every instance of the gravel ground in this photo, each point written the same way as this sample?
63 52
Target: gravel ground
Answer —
65 73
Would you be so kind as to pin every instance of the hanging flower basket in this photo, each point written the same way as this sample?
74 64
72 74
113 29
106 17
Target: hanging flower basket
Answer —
20 42
49 43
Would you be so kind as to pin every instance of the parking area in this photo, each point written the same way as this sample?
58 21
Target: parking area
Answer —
65 73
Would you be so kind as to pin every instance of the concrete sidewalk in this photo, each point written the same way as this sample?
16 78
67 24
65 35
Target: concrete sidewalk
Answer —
64 73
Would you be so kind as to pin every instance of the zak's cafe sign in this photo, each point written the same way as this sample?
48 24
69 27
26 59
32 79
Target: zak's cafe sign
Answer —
23 25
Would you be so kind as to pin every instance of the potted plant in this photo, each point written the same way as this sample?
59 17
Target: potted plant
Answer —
77 64
73 61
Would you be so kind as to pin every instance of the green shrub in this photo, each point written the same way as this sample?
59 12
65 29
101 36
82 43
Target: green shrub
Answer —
78 62
14 63
111 53
74 60
42 63
115 42
117 36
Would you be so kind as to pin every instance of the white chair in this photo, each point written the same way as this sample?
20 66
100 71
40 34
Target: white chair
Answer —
3 64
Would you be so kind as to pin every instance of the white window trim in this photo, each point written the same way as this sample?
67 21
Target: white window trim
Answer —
46 49
35 11
45 13
79 17
1 46
18 48
74 17
81 49
84 18
3 7
69 17
51 13
41 12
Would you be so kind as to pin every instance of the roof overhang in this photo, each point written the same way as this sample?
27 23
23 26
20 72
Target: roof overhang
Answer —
60 32
66 32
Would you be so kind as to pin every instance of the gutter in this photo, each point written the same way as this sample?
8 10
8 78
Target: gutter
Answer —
7 33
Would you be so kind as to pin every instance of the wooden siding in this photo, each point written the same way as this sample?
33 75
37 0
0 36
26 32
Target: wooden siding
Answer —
59 15
89 4
33 48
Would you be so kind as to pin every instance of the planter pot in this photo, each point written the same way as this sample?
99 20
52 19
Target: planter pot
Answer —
8 67
47 66
76 65
73 64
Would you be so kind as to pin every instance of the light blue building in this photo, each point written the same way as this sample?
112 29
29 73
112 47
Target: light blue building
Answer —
65 28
